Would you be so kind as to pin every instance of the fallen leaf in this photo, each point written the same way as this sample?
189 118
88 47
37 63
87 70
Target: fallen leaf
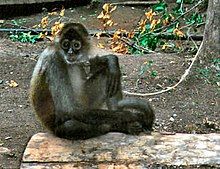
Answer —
100 45
62 12
13 83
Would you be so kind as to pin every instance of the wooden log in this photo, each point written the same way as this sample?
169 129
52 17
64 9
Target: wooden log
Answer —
117 150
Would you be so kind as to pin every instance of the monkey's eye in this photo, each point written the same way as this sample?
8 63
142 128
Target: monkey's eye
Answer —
65 44
76 45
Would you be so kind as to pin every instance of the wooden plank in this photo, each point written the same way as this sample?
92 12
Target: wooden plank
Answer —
116 149
16 2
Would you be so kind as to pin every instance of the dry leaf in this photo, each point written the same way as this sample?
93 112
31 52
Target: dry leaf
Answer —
154 23
52 13
150 14
98 35
142 25
106 16
101 45
106 7
62 12
56 28
44 22
101 15
113 9
131 34
109 22
12 83
51 38
178 33
43 35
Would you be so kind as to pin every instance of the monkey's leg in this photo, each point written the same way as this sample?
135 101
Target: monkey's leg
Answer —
91 123
142 108
105 86
74 129
118 120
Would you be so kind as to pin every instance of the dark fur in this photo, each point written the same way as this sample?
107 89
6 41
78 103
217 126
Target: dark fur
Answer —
68 100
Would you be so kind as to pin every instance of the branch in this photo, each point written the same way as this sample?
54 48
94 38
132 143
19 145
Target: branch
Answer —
174 86
173 22
188 11
133 45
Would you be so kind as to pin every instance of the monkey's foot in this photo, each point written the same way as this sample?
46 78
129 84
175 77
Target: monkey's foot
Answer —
134 128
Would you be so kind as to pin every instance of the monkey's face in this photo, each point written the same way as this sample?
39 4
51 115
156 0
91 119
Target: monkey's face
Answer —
72 50
75 44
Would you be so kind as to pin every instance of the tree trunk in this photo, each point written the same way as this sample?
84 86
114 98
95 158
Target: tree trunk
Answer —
211 41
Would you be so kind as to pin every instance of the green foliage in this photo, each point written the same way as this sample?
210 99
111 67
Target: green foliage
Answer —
145 67
18 22
160 7
189 1
24 37
154 73
195 18
178 10
211 74
160 24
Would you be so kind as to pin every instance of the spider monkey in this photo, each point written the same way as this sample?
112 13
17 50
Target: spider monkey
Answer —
69 87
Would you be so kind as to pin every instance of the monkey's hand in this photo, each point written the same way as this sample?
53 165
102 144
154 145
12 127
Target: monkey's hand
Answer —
114 75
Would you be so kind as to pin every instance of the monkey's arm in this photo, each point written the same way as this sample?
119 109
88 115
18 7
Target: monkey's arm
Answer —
110 64
40 95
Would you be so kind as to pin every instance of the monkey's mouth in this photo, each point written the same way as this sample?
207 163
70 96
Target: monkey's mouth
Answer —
80 59
71 59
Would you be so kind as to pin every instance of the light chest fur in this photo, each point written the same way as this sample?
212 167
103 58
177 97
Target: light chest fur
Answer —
78 79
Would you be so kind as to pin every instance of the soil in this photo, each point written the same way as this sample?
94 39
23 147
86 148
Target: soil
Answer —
192 107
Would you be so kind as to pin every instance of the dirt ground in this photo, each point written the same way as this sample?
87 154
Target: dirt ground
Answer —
193 107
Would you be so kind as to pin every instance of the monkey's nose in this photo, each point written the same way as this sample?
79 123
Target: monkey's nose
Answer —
70 51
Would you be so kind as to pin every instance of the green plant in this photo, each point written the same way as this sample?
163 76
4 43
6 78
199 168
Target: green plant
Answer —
18 22
24 37
145 67
158 25
211 74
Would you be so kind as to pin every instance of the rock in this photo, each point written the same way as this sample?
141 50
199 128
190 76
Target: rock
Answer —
172 119
174 115
4 150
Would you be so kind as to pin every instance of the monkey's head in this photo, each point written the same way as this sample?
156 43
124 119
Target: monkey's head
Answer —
74 41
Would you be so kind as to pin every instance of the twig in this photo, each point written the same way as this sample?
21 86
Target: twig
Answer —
24 30
136 3
172 87
133 45
188 10
188 34
20 29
